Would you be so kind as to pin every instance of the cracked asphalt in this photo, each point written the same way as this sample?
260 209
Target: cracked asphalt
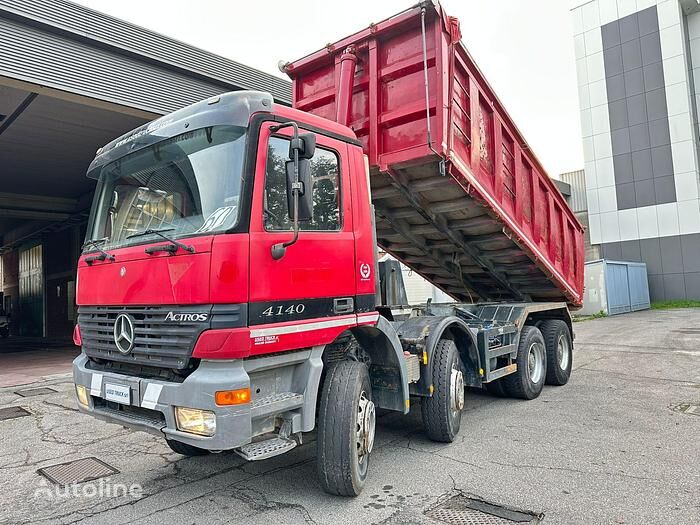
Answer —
608 448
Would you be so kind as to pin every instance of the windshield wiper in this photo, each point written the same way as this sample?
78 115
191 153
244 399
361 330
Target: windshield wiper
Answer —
95 243
172 247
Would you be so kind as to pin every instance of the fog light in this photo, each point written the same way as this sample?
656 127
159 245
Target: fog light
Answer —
81 391
232 397
195 421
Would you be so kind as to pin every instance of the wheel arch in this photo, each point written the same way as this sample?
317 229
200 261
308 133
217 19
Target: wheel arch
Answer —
424 333
388 372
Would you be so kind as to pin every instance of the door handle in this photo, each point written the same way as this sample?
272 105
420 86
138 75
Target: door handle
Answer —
344 305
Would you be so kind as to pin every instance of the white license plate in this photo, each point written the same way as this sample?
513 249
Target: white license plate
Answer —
118 394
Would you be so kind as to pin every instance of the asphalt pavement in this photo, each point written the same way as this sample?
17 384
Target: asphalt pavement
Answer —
617 445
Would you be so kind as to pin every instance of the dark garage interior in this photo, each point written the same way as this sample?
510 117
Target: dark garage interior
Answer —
71 80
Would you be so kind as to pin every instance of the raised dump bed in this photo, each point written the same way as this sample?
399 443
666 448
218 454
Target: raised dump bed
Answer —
462 201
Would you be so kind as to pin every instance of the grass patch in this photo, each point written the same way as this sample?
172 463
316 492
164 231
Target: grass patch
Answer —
581 318
680 303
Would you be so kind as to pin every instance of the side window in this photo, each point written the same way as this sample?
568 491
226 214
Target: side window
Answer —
325 176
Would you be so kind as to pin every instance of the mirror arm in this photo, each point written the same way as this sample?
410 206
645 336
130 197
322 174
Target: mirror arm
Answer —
279 249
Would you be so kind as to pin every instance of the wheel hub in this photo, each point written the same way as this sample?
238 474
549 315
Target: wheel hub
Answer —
457 389
563 353
535 362
366 424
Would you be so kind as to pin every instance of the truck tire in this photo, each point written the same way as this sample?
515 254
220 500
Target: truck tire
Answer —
442 412
557 340
4 333
185 449
346 427
527 381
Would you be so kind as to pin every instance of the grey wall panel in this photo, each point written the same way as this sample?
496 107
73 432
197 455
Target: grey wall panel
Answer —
674 286
673 264
638 111
100 30
31 55
631 251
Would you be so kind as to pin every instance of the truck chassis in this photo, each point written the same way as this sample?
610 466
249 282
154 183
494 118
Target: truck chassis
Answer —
429 353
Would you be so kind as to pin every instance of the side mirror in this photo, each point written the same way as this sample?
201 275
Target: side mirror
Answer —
299 191
305 143
305 210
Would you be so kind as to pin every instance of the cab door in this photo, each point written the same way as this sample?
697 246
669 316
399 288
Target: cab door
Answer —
313 284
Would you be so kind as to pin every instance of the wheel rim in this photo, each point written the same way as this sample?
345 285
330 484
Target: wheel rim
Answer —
535 362
366 424
456 390
563 353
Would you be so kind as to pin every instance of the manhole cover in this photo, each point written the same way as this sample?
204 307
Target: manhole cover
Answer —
78 471
460 510
29 392
688 408
12 413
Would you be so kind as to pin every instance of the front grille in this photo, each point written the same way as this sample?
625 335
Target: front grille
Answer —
157 342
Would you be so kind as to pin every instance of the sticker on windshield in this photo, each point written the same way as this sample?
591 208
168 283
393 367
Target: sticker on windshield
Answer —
218 219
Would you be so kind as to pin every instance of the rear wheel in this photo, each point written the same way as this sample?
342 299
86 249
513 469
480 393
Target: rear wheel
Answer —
527 381
442 412
346 428
557 339
4 332
185 449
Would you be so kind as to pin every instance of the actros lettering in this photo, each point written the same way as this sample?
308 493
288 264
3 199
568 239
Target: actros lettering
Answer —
177 317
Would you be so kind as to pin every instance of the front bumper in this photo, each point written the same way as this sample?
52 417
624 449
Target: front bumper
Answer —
153 402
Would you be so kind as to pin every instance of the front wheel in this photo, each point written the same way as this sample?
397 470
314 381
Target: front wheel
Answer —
442 412
4 332
346 427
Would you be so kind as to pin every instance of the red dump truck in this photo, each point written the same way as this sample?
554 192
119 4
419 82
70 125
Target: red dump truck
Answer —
229 291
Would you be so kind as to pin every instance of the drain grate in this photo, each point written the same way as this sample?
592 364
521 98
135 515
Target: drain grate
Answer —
460 510
688 408
12 413
30 392
78 471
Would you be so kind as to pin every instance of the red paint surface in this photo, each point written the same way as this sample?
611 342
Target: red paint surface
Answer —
467 120
136 278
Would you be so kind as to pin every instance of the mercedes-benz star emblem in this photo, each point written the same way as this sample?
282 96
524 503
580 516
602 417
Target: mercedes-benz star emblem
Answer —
124 333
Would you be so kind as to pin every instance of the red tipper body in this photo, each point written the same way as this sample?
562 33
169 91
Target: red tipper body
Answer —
494 226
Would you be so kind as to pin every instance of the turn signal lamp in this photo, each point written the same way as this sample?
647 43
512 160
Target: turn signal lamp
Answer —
232 397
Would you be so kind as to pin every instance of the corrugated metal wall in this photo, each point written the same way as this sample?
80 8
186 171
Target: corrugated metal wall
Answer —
65 46
577 181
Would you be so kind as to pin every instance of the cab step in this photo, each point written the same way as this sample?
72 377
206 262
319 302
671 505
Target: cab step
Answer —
275 404
266 449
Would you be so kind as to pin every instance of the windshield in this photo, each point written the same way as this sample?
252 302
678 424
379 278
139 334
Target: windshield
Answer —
189 184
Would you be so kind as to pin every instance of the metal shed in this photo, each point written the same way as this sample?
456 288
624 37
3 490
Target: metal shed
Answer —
615 287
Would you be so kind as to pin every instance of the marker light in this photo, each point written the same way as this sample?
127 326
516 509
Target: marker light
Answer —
195 421
81 391
232 397
77 336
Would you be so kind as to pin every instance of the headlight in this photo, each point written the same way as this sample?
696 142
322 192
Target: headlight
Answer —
195 421
81 391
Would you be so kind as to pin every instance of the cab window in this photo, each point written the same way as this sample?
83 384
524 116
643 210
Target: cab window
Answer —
325 176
